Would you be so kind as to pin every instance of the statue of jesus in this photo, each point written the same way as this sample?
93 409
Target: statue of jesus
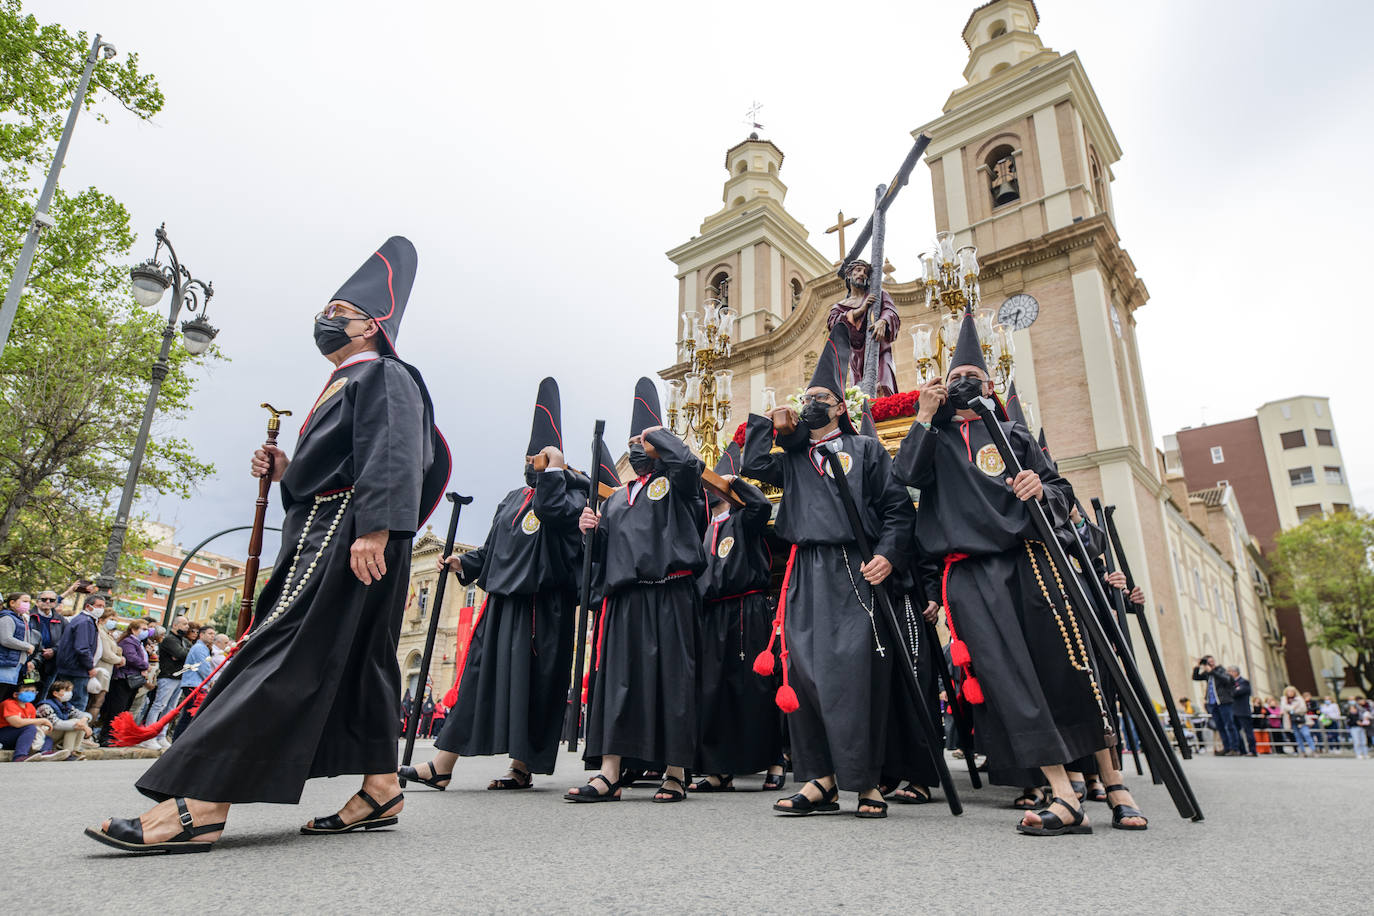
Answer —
853 310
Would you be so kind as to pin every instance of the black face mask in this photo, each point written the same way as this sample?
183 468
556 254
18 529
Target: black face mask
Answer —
816 415
531 475
331 334
640 462
963 390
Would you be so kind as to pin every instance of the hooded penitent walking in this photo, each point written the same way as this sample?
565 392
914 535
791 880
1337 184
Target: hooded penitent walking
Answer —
741 728
649 545
313 689
836 667
514 690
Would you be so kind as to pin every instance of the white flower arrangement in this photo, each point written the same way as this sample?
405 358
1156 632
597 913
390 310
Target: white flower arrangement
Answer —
853 401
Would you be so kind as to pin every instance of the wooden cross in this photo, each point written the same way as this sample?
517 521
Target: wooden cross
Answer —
840 224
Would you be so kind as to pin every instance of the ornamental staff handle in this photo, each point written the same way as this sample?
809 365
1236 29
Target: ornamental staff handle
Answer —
1101 645
573 717
250 568
413 720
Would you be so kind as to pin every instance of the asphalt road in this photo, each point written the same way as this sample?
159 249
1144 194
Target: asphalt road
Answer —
1281 835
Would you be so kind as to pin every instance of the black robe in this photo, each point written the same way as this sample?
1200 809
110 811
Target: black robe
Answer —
842 683
643 696
741 726
1038 709
514 689
314 691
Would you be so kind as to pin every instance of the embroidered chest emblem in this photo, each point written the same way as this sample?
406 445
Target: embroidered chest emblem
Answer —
658 488
530 523
1077 567
989 461
846 462
726 545
334 388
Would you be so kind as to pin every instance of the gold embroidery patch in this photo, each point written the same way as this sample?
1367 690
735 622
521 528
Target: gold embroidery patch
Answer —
989 461
726 545
1077 567
658 488
846 462
334 388
530 523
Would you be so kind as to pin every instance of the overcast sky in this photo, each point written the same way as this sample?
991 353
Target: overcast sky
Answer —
542 156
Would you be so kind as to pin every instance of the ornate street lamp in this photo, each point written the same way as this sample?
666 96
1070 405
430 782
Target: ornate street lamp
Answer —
150 281
701 400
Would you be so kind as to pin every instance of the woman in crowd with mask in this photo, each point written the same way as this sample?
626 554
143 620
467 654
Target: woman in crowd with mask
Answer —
110 658
16 648
127 679
648 537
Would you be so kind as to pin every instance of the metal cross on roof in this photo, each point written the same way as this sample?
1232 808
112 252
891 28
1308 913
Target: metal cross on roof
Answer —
751 117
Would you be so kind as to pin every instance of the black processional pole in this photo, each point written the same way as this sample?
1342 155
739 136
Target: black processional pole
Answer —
1132 698
962 725
1114 546
908 664
572 720
413 720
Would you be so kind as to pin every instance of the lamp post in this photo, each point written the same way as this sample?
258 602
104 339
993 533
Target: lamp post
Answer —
150 282
41 220
702 399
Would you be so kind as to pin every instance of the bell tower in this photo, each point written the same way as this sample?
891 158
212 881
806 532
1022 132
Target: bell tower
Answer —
1021 168
751 252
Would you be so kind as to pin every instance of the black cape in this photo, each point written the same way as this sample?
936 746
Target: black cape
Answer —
741 726
1038 709
842 683
314 691
514 688
643 695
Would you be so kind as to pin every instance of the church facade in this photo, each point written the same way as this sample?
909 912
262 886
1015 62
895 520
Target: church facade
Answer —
1020 165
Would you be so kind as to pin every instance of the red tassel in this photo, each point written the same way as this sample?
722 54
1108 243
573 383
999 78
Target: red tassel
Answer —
787 699
451 698
958 653
763 663
973 691
125 732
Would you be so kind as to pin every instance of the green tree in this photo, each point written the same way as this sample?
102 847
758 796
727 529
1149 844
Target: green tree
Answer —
74 375
1325 567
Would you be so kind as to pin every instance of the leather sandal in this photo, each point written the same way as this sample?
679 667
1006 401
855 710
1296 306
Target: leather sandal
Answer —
666 796
1080 787
435 780
919 795
802 806
772 782
1121 812
333 823
871 803
726 784
1028 800
521 780
590 793
1051 825
1096 793
126 835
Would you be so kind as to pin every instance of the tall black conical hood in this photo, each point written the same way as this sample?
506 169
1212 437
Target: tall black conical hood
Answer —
381 287
547 427
729 463
1045 448
866 425
1014 411
967 351
832 368
646 411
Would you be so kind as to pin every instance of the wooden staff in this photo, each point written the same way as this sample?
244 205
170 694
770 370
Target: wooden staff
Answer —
250 568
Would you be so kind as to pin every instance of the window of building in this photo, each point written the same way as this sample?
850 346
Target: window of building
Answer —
796 293
1218 605
1306 512
1317 408
470 598
720 286
1002 181
1178 570
1223 483
1299 476
1334 475
1197 588
423 599
1286 410
1340 507
1324 437
1217 456
1293 439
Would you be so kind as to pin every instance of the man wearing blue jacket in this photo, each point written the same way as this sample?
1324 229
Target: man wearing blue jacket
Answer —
79 649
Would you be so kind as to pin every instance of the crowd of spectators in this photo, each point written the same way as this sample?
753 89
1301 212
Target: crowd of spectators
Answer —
64 679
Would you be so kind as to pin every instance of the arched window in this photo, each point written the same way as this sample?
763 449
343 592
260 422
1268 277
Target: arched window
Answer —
997 29
1002 181
796 295
720 288
741 167
1099 186
737 202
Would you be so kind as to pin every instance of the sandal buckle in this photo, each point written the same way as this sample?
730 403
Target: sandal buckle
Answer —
186 820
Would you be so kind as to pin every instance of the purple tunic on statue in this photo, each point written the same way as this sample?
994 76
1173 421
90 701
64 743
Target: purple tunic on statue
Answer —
887 373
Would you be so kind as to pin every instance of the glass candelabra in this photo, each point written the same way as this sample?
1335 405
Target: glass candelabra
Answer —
699 403
950 276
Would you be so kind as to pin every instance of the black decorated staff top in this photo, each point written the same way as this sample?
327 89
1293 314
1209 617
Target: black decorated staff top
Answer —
966 505
811 511
651 528
533 544
370 430
738 557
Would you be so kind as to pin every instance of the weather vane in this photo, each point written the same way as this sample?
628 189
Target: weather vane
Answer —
752 116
